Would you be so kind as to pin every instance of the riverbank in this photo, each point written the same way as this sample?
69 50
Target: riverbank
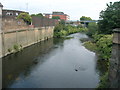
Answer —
102 45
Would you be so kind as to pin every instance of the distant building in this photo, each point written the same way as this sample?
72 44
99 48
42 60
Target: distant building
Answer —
59 14
47 15
14 13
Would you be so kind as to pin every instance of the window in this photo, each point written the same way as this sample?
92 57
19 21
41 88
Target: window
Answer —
9 13
16 14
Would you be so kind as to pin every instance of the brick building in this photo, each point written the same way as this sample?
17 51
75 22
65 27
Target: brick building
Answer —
59 14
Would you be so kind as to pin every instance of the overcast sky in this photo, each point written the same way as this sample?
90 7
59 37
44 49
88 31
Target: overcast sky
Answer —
74 8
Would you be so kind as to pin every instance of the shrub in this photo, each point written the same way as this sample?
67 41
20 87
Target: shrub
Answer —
104 81
26 17
91 46
104 45
92 29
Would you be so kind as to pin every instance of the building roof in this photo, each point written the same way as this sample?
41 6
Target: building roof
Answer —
58 13
7 10
1 5
47 14
13 10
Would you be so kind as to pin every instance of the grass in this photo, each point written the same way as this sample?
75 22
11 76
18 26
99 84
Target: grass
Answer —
90 46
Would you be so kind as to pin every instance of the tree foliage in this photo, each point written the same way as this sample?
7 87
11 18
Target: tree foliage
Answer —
26 17
39 14
109 18
92 29
104 45
62 30
85 18
55 17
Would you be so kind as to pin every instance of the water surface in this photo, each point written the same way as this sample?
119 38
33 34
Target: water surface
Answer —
52 64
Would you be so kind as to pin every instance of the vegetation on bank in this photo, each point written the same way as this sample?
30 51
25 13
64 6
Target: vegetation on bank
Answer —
62 30
104 81
102 45
101 33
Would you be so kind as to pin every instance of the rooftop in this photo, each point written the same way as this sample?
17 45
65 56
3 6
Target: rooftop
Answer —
13 10
58 13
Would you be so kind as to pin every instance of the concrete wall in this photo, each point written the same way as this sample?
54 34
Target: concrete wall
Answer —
23 38
114 71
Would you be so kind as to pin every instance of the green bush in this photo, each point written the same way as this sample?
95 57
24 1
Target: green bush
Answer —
104 81
26 17
104 45
91 46
92 29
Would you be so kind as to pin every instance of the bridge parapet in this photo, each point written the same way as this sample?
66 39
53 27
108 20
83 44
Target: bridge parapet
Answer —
88 21
116 36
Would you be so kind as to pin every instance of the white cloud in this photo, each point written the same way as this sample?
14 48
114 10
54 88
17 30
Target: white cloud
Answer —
74 8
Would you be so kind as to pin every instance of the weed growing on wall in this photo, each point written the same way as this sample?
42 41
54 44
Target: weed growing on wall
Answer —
16 48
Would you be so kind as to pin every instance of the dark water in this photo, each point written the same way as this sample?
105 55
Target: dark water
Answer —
52 64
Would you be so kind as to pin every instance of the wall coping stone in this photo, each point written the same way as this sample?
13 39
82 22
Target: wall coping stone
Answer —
116 30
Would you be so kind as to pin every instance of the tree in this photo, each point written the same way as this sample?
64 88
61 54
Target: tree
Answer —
109 18
39 14
26 17
55 17
85 18
92 28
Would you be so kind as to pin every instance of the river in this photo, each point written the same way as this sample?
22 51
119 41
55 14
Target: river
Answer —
54 63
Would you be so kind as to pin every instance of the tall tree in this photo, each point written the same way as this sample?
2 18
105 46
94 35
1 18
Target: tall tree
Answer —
109 18
84 18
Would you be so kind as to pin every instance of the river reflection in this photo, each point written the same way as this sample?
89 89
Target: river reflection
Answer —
52 64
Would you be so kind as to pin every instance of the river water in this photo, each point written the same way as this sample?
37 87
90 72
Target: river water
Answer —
52 64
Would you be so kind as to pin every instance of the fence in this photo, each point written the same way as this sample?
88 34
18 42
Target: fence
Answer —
43 22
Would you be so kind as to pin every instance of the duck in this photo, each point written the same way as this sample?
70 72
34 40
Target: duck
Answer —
76 70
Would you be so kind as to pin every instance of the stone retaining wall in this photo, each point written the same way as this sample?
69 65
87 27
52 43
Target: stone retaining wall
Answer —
114 70
13 41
